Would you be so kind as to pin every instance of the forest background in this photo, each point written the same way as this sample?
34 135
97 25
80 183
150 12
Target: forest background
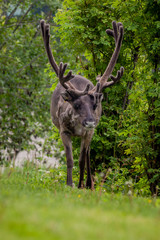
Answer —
126 143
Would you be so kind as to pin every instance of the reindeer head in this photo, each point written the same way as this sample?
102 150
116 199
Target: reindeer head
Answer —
85 105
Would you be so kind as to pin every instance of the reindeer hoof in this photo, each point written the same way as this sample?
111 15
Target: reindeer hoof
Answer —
90 184
81 185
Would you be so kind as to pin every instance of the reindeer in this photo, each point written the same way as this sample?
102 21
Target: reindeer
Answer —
76 103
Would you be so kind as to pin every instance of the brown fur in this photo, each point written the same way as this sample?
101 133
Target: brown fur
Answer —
69 121
76 104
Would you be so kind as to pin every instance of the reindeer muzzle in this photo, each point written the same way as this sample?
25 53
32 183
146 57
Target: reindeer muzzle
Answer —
89 124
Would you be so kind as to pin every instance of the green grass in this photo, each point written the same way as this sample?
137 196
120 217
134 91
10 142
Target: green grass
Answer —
37 205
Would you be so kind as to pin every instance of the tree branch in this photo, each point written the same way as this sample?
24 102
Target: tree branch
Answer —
18 23
28 64
13 11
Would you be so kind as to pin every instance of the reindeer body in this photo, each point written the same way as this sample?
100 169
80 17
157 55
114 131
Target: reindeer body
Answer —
70 123
76 104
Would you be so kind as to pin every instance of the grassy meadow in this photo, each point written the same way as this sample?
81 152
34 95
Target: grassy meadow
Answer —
36 204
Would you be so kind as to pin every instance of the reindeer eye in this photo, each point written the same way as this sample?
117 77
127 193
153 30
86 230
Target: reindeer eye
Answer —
77 106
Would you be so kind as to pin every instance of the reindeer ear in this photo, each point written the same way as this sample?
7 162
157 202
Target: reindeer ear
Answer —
66 96
100 97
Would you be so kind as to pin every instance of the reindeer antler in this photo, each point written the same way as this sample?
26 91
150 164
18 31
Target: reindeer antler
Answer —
64 80
117 33
46 36
62 67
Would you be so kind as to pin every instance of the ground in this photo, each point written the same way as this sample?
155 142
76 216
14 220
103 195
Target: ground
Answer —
36 205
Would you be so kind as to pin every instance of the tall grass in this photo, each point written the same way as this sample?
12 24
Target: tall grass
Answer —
36 204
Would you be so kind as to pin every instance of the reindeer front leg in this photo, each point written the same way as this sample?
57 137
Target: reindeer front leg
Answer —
66 139
89 182
85 158
82 161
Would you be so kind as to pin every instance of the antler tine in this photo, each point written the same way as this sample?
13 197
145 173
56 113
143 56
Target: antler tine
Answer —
114 79
63 79
115 30
97 88
42 22
45 33
62 69
118 76
117 33
76 93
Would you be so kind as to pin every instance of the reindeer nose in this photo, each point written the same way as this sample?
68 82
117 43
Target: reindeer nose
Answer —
89 123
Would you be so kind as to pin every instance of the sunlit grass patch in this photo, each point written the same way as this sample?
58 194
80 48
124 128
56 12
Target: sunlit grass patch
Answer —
36 204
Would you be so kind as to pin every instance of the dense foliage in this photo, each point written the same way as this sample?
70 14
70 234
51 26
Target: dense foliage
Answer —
128 136
126 144
24 82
